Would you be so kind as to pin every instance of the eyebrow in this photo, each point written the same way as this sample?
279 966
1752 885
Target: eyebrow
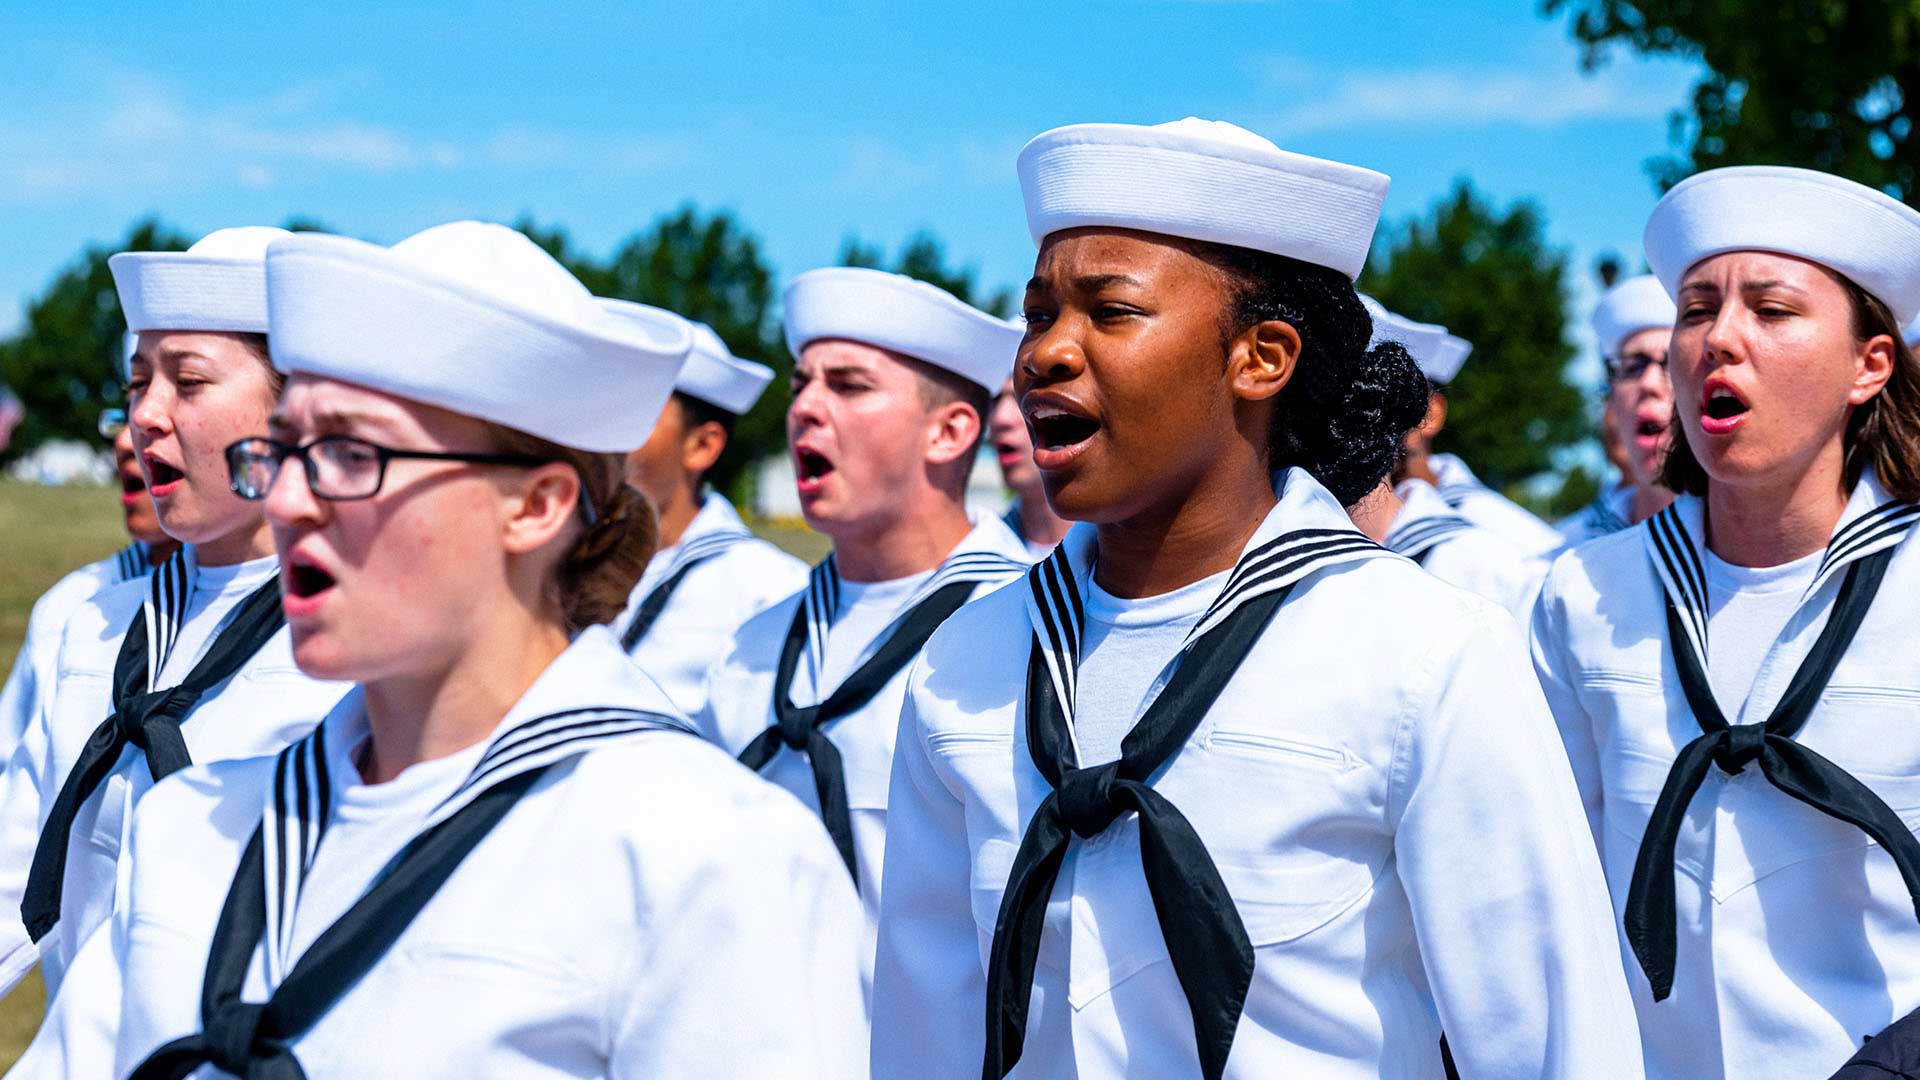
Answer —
330 421
1086 282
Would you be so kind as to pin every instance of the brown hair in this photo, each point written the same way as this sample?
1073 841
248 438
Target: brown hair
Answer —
261 348
607 558
1884 433
938 387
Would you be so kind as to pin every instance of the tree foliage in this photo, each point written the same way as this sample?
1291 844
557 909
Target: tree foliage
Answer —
925 258
1826 84
1489 276
64 365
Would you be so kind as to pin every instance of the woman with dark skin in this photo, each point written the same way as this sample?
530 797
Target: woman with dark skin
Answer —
1224 789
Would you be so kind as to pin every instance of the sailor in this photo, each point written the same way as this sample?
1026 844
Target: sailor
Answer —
1457 484
1224 789
188 664
503 853
1631 325
1734 677
150 546
1428 531
1030 518
891 384
710 574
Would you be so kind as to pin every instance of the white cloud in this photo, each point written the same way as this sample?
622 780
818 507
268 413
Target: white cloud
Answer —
147 137
1453 97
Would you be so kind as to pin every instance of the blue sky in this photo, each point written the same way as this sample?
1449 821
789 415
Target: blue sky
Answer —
812 125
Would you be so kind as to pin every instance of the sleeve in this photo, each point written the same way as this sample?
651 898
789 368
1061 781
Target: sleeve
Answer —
1548 633
17 697
727 988
78 1036
24 794
1509 903
929 990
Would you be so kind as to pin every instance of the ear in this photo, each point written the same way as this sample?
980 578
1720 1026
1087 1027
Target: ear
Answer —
540 508
1261 359
1871 369
1436 419
701 446
953 431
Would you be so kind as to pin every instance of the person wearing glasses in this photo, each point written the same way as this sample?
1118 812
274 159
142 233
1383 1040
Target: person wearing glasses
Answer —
33 667
1734 678
1631 325
190 663
504 853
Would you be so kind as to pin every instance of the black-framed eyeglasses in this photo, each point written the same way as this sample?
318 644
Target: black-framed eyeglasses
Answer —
1628 367
112 423
340 468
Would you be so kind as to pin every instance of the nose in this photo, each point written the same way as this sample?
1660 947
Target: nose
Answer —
150 411
808 408
290 501
1722 339
1052 355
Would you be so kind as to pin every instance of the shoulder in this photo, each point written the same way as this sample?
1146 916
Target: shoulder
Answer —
214 801
96 622
1604 563
992 620
59 601
757 643
760 566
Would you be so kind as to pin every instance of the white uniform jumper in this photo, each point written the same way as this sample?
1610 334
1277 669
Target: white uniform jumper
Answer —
1787 933
612 920
694 596
1491 510
1458 552
848 756
1608 513
1344 802
1011 519
32 673
263 706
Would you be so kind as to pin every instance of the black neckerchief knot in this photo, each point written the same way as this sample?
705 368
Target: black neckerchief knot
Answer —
147 719
803 730
1802 774
1090 800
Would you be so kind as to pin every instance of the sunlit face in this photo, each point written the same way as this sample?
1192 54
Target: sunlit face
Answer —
399 583
136 506
1765 367
1640 403
1012 447
190 395
859 432
656 470
1123 376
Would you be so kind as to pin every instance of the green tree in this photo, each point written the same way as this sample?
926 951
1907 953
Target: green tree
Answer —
925 258
1823 84
64 365
1489 276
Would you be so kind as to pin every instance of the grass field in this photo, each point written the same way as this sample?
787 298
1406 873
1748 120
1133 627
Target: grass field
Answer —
45 532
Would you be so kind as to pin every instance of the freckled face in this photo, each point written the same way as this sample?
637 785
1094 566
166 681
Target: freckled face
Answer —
1122 376
190 396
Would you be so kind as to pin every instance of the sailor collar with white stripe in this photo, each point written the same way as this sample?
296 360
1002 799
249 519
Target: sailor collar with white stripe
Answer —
990 552
1306 532
1608 511
131 562
1872 521
1424 522
1456 480
715 528
590 696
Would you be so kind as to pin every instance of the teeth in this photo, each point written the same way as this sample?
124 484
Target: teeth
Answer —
1721 394
1048 412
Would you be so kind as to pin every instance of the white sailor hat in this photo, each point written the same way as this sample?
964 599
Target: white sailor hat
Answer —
712 373
1202 180
477 319
218 284
1911 332
1864 234
1438 353
1636 304
898 313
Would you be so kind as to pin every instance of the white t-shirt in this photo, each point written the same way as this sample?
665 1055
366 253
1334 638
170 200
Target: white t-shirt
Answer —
866 609
1126 645
1747 608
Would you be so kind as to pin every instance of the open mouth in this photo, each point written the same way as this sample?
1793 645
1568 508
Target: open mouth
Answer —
811 468
133 486
1056 429
1722 404
1650 429
303 580
163 476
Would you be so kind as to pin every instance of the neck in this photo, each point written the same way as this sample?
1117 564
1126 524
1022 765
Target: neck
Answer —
1648 500
255 541
421 716
912 542
161 551
1374 513
1776 520
678 512
1038 523
1418 466
1163 549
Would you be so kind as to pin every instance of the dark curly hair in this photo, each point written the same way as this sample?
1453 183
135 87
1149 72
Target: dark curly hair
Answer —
1345 415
